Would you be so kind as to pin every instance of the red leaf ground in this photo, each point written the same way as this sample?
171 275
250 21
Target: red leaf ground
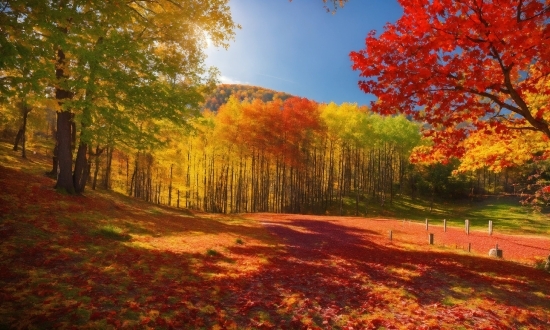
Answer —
291 272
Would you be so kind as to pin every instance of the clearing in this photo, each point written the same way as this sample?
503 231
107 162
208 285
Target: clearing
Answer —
107 261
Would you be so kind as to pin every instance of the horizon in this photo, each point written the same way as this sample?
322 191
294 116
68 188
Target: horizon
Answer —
274 48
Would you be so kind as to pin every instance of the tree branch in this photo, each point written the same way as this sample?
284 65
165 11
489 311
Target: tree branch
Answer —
518 12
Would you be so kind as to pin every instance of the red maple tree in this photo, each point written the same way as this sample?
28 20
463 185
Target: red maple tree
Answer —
461 66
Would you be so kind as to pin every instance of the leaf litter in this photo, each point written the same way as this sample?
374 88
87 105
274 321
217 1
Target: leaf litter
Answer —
269 271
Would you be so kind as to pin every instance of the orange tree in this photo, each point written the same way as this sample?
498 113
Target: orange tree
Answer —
462 66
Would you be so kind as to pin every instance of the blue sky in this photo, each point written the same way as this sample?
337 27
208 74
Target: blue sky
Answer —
299 48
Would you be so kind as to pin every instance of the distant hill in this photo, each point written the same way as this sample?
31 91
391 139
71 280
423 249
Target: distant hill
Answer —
243 92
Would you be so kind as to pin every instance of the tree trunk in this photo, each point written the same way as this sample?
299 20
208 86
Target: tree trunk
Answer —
64 153
55 163
170 188
96 170
81 168
18 139
64 131
108 168
96 155
21 134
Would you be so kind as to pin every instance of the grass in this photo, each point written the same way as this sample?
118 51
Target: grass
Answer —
506 212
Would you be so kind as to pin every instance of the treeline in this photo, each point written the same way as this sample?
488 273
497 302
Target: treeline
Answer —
292 156
278 156
122 103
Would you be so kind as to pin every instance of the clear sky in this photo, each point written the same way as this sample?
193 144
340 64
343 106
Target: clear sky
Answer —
299 48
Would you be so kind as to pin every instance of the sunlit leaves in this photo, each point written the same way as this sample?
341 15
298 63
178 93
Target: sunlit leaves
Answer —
491 150
453 64
281 129
127 66
357 125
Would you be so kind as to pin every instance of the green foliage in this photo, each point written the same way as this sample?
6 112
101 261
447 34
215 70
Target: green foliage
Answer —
351 124
438 179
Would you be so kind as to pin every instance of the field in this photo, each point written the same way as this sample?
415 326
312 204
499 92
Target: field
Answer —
103 260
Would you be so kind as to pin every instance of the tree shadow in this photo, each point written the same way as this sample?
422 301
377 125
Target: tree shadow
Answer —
324 273
59 274
334 264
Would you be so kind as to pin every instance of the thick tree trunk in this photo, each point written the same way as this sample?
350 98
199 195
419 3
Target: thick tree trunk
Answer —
81 170
64 153
65 131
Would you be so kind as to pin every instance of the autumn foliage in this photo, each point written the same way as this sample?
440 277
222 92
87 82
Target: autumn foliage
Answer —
462 67
221 94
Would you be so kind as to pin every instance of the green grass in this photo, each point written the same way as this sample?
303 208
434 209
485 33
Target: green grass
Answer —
506 212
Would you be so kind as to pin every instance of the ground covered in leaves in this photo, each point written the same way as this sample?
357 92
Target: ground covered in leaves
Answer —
106 261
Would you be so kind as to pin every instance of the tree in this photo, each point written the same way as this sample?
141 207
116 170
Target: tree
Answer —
21 81
461 67
144 59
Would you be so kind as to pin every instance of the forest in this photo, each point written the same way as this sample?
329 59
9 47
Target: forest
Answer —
138 192
167 133
288 155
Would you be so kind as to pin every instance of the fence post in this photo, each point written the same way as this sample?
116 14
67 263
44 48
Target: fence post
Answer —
490 227
495 252
391 234
445 225
431 238
467 226
426 223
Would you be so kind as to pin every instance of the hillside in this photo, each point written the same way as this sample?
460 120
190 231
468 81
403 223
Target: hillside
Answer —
103 260
243 93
